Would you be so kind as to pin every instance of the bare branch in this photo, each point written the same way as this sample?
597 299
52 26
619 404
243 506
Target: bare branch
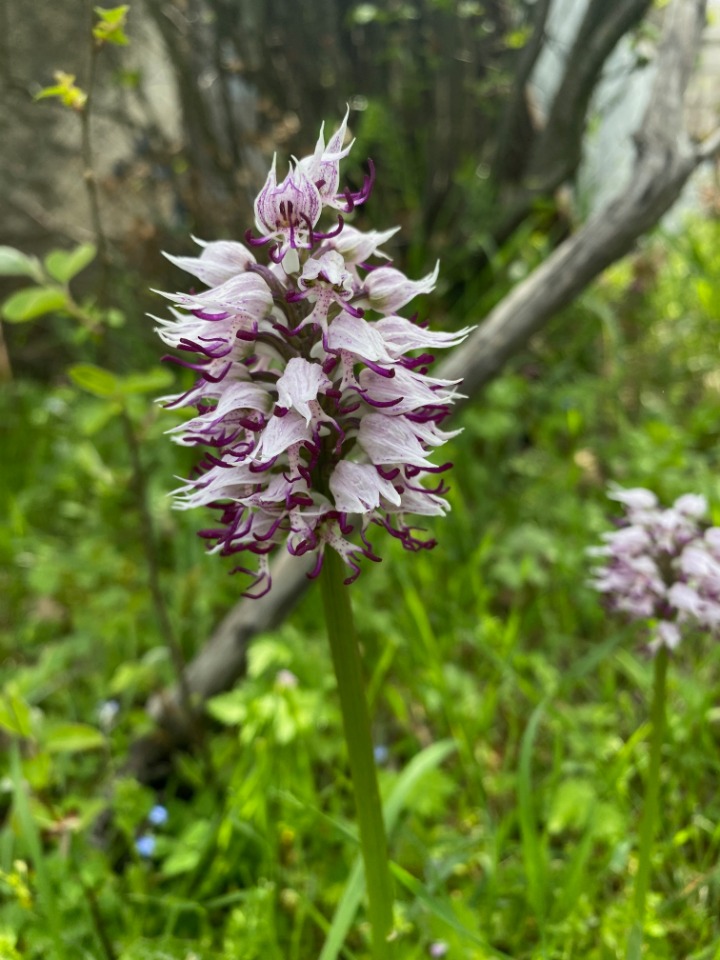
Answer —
554 156
558 151
515 119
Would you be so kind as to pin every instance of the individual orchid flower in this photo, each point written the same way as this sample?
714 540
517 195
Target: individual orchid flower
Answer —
318 422
287 213
219 261
357 247
325 281
387 290
323 167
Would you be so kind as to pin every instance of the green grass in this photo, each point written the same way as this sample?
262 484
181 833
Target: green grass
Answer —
513 711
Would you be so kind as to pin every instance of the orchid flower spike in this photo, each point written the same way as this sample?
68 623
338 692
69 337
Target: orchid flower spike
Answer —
312 402
661 567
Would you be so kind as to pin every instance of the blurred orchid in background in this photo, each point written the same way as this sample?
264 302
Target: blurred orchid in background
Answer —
661 566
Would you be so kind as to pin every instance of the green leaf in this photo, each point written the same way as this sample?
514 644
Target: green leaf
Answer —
113 15
147 382
33 302
14 713
63 265
572 805
114 317
72 738
365 13
98 415
192 845
534 847
95 380
111 26
70 95
31 838
15 263
229 708
518 38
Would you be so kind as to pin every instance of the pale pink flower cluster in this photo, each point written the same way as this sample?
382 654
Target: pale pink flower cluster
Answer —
662 566
313 394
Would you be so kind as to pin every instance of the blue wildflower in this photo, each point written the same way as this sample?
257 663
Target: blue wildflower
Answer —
145 845
158 815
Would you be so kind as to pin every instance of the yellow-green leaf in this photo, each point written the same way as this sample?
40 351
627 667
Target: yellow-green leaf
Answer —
33 302
15 713
110 28
63 265
147 382
72 738
69 94
95 380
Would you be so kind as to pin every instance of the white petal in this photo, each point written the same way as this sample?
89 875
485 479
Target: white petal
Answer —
401 335
668 635
388 289
638 498
300 384
691 505
357 487
218 262
356 246
279 434
246 293
424 504
413 390
357 336
390 440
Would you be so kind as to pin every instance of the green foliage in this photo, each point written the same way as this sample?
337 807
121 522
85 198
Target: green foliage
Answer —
32 303
513 712
66 90
52 294
110 27
64 265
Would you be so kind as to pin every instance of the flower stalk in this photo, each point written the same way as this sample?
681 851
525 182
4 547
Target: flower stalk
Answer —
356 724
650 804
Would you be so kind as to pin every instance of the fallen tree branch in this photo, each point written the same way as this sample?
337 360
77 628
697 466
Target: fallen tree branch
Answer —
665 159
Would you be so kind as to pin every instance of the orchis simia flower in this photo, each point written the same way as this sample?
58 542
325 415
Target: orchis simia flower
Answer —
313 397
661 568
319 417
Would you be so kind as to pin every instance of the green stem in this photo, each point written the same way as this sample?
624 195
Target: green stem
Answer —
356 723
650 806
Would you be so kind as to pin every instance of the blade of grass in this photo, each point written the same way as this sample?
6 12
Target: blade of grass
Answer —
418 767
534 842
31 836
533 846
442 910
575 875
